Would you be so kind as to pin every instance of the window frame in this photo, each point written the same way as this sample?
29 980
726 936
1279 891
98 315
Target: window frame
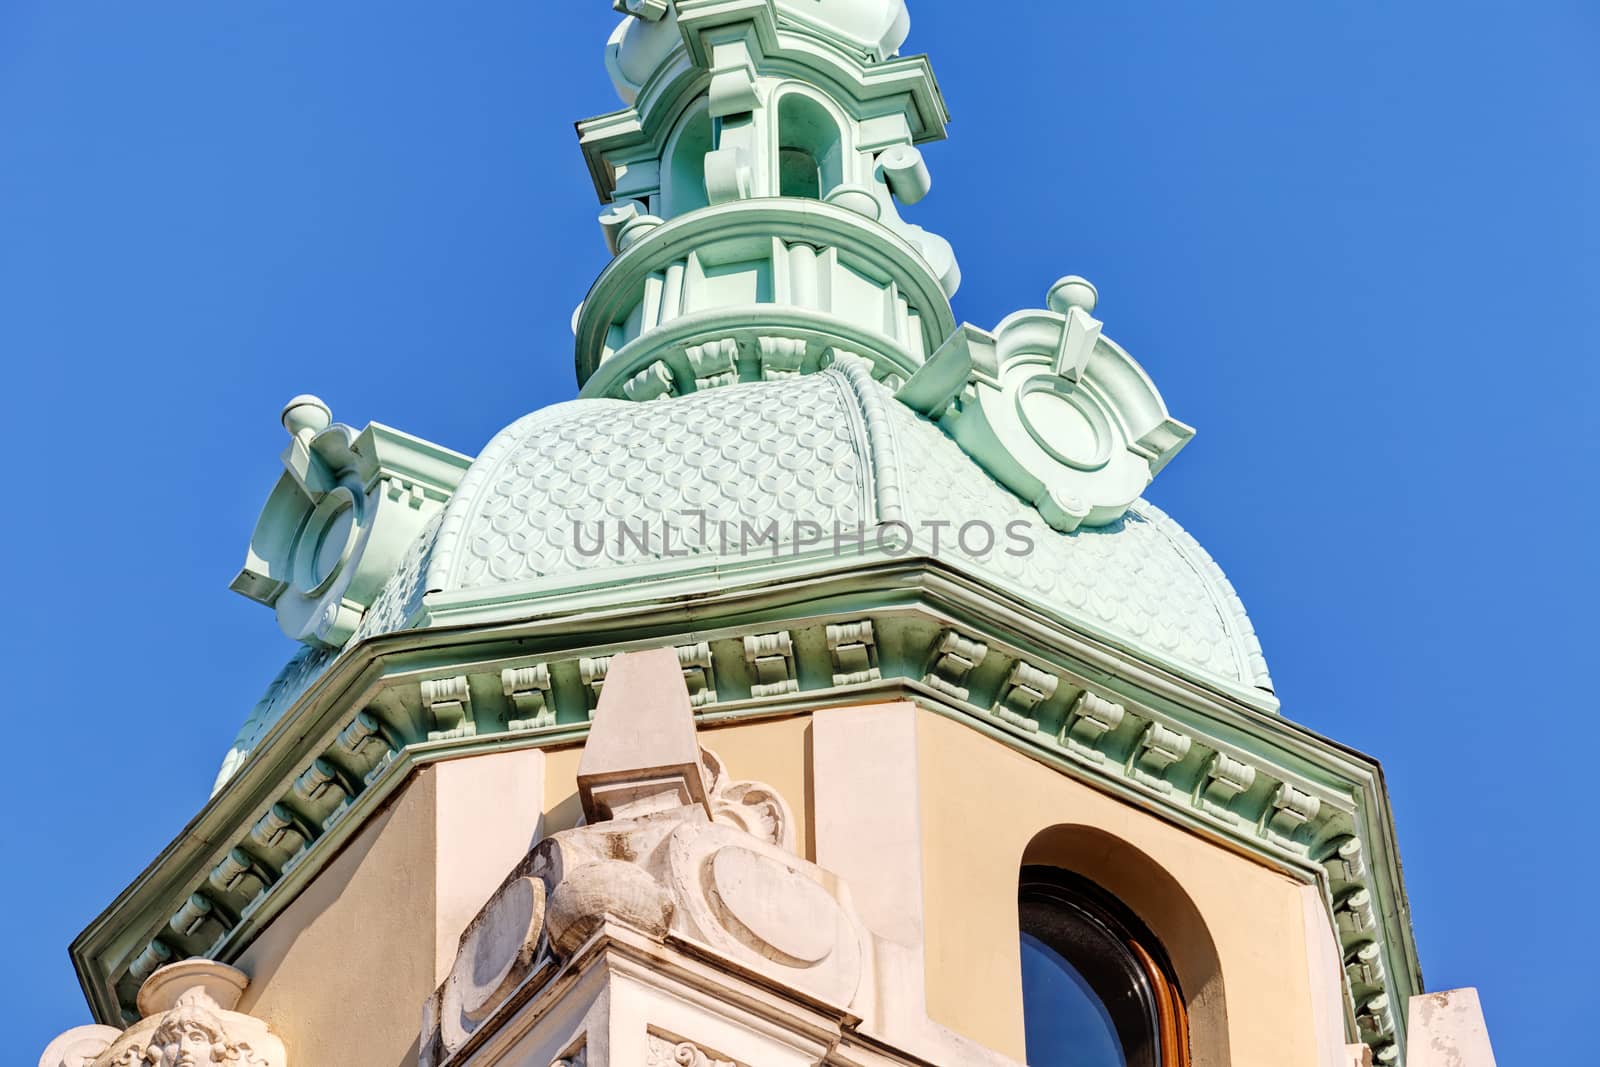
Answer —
1160 994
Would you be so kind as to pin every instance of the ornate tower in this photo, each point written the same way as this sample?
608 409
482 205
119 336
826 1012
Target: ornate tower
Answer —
817 688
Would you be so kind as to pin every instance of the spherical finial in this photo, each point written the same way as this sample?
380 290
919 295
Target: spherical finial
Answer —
1072 292
306 414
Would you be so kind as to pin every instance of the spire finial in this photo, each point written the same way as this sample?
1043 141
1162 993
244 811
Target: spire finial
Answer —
1072 292
753 193
306 415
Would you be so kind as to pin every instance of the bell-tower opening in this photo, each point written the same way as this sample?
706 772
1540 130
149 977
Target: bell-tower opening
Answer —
810 148
684 187
798 174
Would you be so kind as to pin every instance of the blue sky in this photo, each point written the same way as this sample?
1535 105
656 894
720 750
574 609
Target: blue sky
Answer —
1356 244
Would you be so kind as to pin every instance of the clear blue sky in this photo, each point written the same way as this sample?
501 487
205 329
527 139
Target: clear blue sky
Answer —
1357 245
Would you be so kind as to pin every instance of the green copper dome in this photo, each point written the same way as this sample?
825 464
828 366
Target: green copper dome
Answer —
832 451
773 383
596 494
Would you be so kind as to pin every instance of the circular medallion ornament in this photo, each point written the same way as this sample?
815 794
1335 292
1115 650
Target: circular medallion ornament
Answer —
759 905
497 950
346 508
1065 422
785 914
325 544
1058 413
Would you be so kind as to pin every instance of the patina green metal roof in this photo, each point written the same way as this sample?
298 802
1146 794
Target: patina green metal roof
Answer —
602 493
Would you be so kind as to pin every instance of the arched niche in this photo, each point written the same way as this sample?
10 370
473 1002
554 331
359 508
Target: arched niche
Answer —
1159 901
683 179
810 145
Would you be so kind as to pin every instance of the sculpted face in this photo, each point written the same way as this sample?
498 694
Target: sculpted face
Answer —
186 1042
192 1049
188 1022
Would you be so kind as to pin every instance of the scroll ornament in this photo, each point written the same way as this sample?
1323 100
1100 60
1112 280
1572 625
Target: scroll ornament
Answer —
672 847
1054 410
340 519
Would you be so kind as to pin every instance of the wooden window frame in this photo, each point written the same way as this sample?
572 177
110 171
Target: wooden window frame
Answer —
1059 889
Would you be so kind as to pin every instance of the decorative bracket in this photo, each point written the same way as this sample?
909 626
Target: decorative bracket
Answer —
1089 720
854 651
1225 779
715 363
952 662
340 519
1026 688
528 689
449 705
771 661
1158 750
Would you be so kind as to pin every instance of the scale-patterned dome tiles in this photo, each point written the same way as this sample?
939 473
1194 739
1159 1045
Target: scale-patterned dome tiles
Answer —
552 494
1141 578
835 449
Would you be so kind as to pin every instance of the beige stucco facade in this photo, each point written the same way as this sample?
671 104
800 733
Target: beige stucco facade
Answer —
949 818
831 885
1234 928
346 967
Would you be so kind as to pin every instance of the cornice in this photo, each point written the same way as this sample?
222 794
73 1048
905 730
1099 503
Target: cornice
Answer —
1211 761
689 592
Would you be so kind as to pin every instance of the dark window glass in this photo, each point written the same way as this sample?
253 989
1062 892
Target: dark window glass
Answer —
798 174
1064 1012
1095 989
811 150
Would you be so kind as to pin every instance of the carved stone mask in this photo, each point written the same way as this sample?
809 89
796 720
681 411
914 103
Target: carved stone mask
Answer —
189 1037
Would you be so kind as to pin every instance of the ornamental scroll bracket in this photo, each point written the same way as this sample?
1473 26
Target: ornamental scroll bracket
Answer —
1052 409
340 519
188 1019
673 847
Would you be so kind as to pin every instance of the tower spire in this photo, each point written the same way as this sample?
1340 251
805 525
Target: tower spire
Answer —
752 188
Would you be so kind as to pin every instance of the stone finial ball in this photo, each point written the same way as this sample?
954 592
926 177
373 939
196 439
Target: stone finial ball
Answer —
1072 292
306 412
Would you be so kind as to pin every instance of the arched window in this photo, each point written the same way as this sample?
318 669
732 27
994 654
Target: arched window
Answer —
810 150
1097 990
684 185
